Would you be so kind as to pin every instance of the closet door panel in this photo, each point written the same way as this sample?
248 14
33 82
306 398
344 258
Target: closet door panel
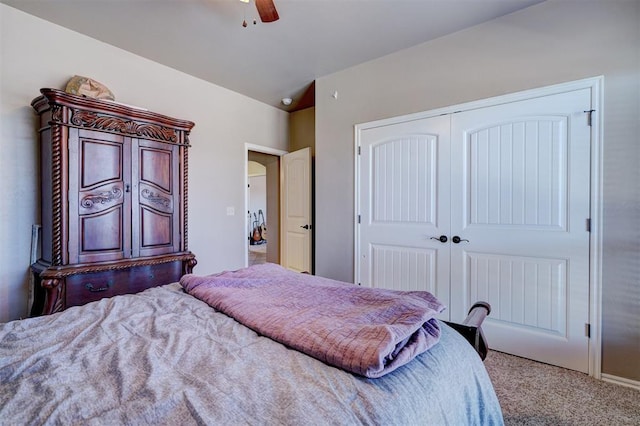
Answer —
404 206
520 203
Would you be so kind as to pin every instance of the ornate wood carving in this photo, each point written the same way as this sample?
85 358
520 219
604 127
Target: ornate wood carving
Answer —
56 114
189 265
54 300
56 186
63 271
155 198
101 198
185 192
115 124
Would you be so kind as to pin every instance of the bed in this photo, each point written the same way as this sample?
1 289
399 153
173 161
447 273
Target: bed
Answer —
164 356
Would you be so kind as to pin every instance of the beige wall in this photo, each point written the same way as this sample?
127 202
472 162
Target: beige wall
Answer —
36 54
553 42
302 129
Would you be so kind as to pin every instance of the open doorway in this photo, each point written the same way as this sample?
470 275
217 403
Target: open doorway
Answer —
262 210
257 213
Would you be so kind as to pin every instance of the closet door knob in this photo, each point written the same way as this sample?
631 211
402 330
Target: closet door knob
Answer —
441 238
457 239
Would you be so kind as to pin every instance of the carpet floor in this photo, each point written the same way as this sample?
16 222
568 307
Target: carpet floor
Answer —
532 393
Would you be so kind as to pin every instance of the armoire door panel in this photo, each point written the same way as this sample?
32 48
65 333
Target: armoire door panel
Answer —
156 225
102 237
101 160
99 209
156 166
156 230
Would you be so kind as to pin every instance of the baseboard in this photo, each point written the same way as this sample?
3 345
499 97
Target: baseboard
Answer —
621 381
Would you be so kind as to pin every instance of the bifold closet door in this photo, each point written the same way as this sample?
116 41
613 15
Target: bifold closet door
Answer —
405 208
520 189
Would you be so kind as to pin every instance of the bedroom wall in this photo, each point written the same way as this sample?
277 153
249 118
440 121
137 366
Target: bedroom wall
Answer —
553 42
35 54
302 129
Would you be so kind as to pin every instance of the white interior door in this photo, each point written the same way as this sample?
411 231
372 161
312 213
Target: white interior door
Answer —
520 185
508 186
404 207
296 211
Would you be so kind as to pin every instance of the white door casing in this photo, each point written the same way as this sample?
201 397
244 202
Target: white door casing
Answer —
519 200
296 211
249 227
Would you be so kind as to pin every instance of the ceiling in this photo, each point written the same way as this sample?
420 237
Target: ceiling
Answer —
266 61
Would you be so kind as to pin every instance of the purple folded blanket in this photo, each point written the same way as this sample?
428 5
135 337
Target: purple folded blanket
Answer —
366 331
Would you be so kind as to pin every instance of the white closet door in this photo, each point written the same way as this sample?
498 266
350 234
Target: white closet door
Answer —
404 206
520 196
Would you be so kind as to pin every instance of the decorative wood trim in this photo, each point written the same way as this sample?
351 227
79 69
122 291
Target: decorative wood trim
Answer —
155 198
109 123
187 267
185 198
56 184
113 117
60 272
56 114
54 299
101 198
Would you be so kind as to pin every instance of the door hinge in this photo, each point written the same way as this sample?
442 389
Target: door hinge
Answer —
590 118
588 224
587 330
358 218
359 150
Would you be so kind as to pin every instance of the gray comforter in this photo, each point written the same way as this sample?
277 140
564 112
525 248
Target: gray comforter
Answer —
165 357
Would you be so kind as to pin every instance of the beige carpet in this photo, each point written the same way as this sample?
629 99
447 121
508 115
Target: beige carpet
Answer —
532 393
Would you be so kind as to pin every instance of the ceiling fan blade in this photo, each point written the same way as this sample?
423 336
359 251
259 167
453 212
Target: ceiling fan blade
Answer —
267 10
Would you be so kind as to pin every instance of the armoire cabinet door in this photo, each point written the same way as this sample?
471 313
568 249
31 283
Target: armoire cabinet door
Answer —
156 198
99 201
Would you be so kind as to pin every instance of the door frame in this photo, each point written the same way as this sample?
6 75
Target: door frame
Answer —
263 150
596 85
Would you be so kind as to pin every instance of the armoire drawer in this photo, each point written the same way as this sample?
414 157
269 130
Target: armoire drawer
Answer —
85 288
89 287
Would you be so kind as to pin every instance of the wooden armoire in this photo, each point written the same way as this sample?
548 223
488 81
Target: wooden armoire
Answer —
114 200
